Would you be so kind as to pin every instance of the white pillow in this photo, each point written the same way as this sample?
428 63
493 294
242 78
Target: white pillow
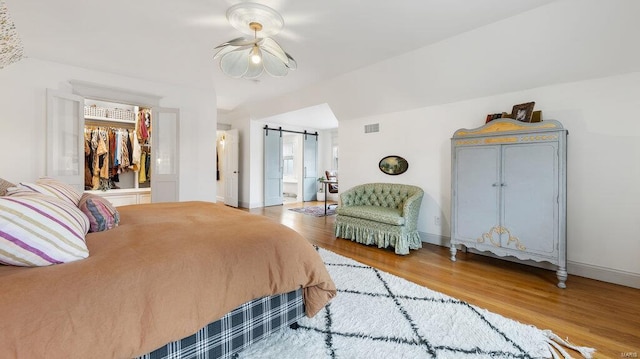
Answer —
40 230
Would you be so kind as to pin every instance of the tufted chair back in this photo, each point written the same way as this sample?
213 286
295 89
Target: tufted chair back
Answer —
393 195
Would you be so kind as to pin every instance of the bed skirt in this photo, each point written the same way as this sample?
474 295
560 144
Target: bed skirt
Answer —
237 329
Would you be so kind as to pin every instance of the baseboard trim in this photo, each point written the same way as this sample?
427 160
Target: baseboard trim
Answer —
590 271
604 274
434 239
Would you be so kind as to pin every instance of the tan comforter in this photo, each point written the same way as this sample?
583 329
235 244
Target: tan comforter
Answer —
165 272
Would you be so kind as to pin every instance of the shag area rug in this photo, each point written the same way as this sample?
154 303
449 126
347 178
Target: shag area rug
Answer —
316 211
378 315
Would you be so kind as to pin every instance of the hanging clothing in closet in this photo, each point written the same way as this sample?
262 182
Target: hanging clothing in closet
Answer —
109 151
143 132
144 125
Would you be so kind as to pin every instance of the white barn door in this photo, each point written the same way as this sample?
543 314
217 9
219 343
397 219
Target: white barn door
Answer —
272 168
310 167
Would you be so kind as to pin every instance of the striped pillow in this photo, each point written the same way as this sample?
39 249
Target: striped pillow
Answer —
49 187
40 230
101 213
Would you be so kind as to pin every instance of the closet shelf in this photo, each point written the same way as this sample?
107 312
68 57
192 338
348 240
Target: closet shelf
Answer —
119 190
108 119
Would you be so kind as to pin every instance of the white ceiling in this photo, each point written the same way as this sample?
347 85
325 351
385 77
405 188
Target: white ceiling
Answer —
173 41
319 117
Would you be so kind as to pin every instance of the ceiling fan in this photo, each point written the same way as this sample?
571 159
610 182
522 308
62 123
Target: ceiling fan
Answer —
249 58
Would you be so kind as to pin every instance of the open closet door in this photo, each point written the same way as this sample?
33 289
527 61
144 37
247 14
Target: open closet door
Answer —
310 167
231 168
272 168
165 168
65 138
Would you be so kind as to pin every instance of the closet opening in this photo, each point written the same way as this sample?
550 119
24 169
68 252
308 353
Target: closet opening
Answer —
117 151
81 153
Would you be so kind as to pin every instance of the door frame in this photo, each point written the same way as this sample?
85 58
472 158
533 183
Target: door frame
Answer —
231 172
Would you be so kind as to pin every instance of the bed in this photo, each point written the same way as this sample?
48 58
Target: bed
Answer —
168 278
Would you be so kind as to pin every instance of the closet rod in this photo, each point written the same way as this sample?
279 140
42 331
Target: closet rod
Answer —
266 127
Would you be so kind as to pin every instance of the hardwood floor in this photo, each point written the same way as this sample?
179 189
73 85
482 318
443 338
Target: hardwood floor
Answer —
589 312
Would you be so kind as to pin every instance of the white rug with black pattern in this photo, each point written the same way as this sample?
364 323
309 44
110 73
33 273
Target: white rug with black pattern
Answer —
378 315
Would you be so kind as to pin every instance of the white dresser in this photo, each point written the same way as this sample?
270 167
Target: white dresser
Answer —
508 189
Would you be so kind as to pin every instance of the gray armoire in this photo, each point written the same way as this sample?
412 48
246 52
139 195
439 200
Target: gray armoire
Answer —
508 191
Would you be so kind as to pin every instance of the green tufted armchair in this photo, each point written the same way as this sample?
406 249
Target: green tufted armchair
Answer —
384 214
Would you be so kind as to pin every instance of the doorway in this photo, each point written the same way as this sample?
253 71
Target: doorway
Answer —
290 166
227 167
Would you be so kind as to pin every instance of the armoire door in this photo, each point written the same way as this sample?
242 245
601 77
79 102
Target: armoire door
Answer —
476 192
272 168
530 196
165 167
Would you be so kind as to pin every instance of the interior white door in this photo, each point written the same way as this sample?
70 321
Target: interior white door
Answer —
272 168
231 167
65 138
165 168
310 167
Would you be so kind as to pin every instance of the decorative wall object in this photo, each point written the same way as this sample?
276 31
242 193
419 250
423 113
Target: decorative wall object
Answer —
10 44
393 165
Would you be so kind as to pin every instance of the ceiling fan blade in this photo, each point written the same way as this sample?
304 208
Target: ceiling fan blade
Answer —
271 46
240 41
254 71
243 42
292 65
227 42
228 49
273 65
235 63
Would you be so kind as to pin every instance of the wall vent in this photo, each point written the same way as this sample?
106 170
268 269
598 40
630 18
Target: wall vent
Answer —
372 128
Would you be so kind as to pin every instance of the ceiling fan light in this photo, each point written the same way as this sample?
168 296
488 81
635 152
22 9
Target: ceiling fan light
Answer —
255 55
249 58
254 71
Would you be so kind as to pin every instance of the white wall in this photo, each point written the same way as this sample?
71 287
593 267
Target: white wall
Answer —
23 116
603 163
